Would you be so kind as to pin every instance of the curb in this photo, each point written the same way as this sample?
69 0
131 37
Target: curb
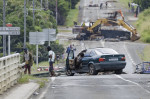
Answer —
23 91
30 93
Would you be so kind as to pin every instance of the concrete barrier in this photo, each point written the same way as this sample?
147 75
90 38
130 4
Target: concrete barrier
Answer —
9 71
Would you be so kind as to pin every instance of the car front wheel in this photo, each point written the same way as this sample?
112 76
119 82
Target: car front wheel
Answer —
92 70
69 73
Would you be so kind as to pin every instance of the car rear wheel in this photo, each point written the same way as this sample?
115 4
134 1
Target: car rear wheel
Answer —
118 71
92 70
69 73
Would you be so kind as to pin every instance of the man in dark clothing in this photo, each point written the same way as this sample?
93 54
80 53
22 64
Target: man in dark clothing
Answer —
28 59
129 4
68 49
101 5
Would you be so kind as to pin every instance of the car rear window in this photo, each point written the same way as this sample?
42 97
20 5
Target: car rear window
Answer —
106 51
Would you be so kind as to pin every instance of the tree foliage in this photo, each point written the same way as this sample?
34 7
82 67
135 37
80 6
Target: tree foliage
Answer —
144 4
44 18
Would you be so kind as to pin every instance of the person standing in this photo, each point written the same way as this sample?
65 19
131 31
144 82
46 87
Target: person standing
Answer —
28 59
106 4
68 49
101 5
129 4
51 57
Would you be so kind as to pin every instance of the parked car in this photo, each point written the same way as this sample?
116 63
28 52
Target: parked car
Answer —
95 60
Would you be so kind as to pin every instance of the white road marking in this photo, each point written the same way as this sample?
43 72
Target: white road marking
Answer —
73 85
102 43
46 90
132 83
129 54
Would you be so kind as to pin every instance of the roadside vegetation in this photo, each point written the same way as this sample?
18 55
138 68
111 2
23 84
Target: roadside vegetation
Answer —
145 56
28 78
72 16
143 25
125 2
44 18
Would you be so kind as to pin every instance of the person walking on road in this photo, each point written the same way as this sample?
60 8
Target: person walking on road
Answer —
106 4
101 6
51 57
28 59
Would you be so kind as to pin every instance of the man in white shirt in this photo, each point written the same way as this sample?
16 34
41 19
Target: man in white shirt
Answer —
51 57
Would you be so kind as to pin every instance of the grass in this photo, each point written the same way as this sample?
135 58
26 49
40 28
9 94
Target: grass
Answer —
27 78
124 2
72 16
44 63
65 30
145 56
143 25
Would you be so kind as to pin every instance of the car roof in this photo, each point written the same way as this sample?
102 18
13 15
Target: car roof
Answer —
105 50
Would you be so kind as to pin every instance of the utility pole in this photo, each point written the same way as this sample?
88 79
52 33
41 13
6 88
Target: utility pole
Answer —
9 25
41 3
56 12
25 23
4 36
70 4
33 13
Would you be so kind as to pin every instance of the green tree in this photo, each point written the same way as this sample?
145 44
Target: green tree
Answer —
63 9
144 4
72 3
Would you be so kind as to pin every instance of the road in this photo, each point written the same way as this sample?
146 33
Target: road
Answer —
107 86
98 87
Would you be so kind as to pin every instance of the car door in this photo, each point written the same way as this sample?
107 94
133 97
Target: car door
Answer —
70 59
85 60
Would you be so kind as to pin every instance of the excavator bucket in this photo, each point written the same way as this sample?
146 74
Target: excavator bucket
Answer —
135 37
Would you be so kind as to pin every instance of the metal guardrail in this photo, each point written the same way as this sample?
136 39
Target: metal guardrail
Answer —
10 71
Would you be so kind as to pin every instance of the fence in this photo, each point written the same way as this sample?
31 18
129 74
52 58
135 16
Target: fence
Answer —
9 71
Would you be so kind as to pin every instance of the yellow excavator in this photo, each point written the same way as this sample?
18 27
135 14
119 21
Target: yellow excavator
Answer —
95 29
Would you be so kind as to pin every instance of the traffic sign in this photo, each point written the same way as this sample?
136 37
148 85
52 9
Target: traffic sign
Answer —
50 31
9 30
36 38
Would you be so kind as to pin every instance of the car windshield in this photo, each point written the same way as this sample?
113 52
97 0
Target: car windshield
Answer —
106 51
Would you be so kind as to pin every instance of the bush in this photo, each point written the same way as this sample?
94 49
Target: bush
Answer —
143 25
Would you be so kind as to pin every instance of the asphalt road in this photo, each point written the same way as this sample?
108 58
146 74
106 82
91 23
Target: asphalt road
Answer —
107 86
97 87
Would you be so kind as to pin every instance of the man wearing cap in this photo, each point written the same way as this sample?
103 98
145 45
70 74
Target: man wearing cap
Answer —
28 59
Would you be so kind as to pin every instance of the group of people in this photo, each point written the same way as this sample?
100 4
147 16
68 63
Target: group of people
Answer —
70 47
28 59
135 8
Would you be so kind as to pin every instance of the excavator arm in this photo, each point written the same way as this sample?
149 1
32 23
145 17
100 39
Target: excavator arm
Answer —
134 36
104 21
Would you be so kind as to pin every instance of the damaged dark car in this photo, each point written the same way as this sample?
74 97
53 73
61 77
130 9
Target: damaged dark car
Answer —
95 60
